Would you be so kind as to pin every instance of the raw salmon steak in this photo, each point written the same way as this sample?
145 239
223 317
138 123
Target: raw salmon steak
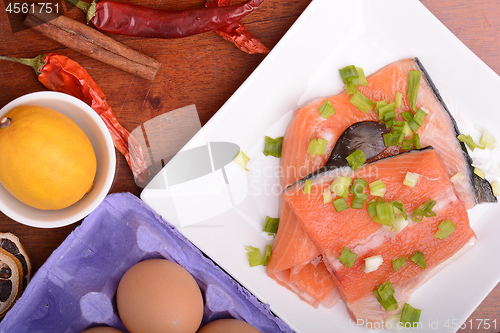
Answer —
294 253
332 231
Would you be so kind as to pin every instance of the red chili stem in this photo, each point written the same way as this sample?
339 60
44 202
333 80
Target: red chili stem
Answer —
140 21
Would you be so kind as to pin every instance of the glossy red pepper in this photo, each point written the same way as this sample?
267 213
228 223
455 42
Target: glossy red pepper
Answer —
237 33
60 73
134 20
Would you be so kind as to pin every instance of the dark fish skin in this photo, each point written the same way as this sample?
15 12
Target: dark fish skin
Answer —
363 135
482 188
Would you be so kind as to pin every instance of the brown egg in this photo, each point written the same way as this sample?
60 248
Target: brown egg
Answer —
102 329
158 295
228 326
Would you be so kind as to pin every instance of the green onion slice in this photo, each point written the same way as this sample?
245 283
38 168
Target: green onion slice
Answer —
412 88
348 73
273 146
373 263
326 110
340 204
398 224
398 99
399 208
254 256
358 186
340 186
479 172
419 259
358 201
398 263
327 196
379 105
457 177
307 186
316 147
445 228
377 188
356 159
410 315
407 115
267 257
411 179
361 102
467 139
488 140
424 210
385 295
385 213
242 159
271 225
347 258
495 186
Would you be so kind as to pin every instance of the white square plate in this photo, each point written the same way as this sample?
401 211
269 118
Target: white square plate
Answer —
221 218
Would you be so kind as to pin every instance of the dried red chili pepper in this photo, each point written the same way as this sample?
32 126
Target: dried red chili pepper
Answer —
237 33
59 73
134 20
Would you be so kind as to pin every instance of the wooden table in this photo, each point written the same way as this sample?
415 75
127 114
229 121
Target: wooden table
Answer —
205 70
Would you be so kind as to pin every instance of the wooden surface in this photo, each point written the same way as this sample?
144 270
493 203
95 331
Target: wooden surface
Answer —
205 70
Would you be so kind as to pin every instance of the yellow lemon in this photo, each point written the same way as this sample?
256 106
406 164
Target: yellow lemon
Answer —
46 160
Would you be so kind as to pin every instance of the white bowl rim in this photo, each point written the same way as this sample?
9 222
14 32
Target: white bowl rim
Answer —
109 172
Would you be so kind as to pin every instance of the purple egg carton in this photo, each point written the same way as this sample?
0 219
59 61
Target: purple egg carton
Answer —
75 288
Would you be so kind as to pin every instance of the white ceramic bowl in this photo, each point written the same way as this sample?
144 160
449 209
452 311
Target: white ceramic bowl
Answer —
95 129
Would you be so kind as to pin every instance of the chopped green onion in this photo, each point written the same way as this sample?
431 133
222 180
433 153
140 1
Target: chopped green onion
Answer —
385 295
271 225
340 186
348 73
398 125
457 177
307 186
495 186
445 228
407 115
347 258
373 263
416 141
385 213
398 263
359 185
488 140
361 102
273 146
372 206
267 257
419 259
398 224
358 200
411 179
407 144
377 188
389 108
406 129
316 147
419 117
398 99
399 208
254 256
412 88
340 204
326 110
409 315
424 210
352 85
467 139
356 159
379 105
479 173
327 196
242 159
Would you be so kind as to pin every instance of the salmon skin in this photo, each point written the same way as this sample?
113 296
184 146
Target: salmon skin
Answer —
331 231
293 249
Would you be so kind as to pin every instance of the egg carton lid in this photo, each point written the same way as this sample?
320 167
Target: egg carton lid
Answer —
75 288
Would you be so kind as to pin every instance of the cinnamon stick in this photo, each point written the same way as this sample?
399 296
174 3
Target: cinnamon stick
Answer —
92 43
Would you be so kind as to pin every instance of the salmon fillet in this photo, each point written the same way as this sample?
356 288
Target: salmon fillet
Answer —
331 231
293 247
